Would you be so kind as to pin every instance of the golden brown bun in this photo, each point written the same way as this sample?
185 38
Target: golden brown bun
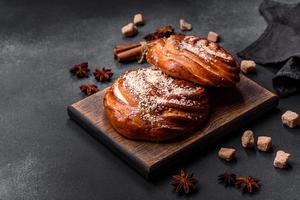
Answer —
146 104
195 59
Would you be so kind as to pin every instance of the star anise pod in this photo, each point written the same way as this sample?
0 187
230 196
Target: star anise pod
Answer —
161 32
228 179
103 74
184 182
80 70
88 89
247 183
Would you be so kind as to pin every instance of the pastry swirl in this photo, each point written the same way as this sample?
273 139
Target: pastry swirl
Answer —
146 104
194 59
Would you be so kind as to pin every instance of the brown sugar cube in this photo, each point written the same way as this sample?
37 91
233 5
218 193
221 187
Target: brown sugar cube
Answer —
248 66
129 30
248 139
264 143
185 26
290 119
226 153
281 159
212 36
138 19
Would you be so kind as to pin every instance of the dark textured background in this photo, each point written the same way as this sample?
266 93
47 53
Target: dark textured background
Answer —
44 155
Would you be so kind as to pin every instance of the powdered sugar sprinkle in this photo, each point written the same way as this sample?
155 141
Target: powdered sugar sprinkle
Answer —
155 91
201 46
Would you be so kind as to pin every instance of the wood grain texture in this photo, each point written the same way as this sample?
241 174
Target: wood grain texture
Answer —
231 109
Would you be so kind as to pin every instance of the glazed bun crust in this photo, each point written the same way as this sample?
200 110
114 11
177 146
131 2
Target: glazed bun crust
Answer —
195 59
146 104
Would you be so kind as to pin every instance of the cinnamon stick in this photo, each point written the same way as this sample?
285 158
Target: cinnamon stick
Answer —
128 53
136 51
125 47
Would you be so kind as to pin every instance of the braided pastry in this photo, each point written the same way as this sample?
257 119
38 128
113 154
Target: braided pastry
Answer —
146 104
194 59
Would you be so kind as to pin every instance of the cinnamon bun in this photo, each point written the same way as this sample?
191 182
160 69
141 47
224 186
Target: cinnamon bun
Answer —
146 104
195 59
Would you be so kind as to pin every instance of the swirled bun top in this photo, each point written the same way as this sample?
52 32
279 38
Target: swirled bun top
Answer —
147 104
195 59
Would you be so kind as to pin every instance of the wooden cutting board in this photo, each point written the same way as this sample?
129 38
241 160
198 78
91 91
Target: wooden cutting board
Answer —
231 109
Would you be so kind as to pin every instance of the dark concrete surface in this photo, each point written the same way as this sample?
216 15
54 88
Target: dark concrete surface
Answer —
44 155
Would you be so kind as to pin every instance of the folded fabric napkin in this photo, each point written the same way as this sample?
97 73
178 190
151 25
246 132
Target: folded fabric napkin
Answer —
279 45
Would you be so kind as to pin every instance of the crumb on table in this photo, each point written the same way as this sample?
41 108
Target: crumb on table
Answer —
264 143
184 25
138 19
281 159
248 66
290 119
248 139
212 36
227 153
129 30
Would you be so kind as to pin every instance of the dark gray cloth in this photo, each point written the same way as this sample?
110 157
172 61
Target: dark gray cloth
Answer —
279 45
